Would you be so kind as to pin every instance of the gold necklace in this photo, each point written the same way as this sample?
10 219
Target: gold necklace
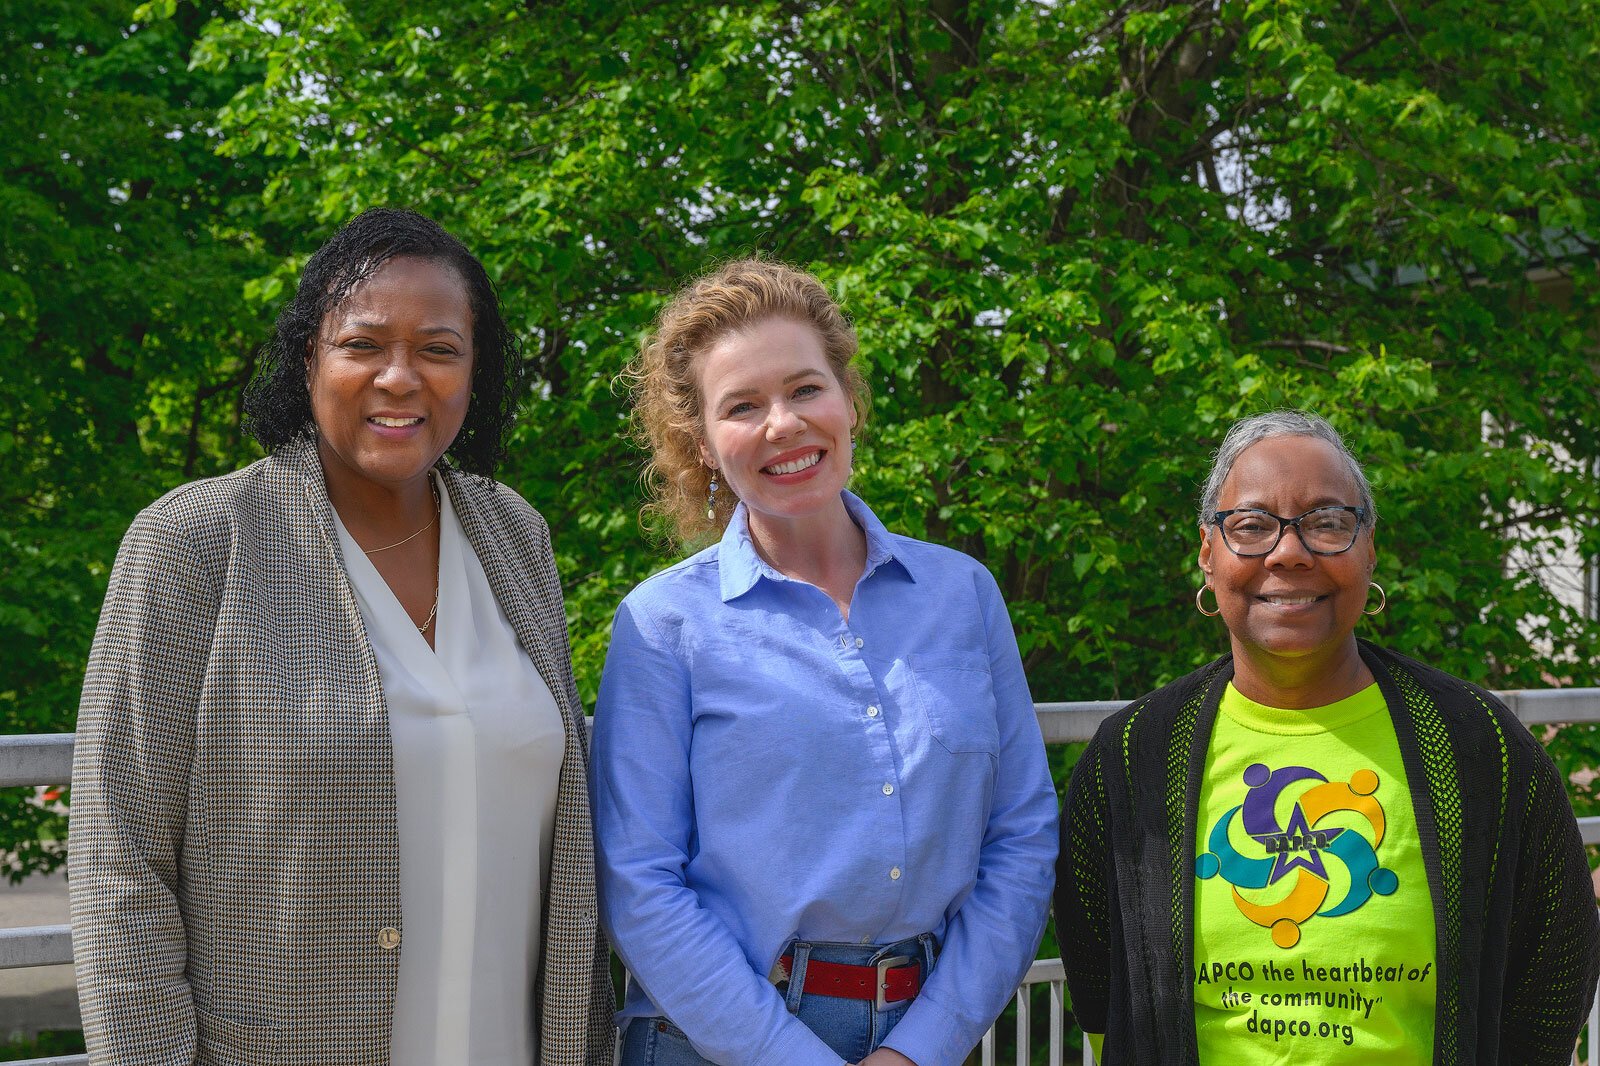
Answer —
428 621
418 533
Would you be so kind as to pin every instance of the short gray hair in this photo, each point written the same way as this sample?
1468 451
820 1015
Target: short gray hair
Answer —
1288 423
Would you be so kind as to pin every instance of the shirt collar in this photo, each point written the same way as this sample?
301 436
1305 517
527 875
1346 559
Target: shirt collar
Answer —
741 566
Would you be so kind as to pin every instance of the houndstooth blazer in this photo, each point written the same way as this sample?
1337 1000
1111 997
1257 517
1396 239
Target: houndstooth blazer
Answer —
234 855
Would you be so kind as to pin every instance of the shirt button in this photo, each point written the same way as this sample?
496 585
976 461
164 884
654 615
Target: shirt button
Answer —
866 940
888 789
388 938
894 873
860 643
872 711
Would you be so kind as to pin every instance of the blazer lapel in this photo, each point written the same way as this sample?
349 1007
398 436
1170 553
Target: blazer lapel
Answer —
515 599
573 993
310 515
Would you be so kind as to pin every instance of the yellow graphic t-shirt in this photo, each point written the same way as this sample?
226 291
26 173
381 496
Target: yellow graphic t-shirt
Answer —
1313 927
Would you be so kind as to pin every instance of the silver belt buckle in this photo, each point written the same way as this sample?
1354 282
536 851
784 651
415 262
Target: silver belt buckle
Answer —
883 967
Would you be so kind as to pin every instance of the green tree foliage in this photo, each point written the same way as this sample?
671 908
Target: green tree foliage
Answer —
123 335
1077 239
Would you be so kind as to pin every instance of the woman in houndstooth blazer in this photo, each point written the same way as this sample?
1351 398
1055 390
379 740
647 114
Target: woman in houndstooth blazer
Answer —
329 800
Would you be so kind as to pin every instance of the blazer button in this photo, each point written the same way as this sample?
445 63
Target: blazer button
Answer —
388 938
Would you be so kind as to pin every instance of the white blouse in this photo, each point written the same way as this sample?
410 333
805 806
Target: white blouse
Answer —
478 742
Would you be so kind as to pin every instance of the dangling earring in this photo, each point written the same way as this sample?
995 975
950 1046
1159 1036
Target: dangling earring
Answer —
1201 591
711 499
1383 600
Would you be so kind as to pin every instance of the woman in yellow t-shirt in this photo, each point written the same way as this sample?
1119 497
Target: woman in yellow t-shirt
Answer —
1315 850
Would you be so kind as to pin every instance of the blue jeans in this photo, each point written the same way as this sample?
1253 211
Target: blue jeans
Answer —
851 1027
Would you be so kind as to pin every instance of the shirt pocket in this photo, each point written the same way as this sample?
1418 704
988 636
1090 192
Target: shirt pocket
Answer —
957 699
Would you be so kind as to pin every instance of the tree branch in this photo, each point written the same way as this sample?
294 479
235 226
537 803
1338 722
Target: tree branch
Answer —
1306 342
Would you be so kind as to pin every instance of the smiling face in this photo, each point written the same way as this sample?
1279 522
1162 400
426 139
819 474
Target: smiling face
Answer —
776 420
1289 604
390 373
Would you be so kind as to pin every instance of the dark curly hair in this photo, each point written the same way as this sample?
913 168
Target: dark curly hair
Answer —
276 403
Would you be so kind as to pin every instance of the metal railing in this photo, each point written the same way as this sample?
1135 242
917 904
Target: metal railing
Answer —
46 759
1043 972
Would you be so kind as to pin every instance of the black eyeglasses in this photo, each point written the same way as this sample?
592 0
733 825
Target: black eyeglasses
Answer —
1323 530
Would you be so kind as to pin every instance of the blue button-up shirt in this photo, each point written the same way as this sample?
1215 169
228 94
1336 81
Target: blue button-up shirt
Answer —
765 770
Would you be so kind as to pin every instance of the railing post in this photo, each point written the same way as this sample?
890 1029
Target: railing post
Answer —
1058 1026
1594 1032
1024 1027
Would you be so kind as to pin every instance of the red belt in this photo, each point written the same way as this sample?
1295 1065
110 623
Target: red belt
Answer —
892 981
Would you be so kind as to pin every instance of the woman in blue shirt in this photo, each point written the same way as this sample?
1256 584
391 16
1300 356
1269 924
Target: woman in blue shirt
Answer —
825 825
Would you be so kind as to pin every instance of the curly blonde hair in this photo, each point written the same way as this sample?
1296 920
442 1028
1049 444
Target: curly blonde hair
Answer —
667 416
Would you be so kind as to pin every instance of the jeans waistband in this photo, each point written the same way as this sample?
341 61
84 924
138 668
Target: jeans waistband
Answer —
922 948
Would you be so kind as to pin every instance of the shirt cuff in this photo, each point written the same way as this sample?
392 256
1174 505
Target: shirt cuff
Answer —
928 1037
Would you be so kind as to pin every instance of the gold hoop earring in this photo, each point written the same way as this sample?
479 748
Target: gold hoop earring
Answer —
1383 600
1201 591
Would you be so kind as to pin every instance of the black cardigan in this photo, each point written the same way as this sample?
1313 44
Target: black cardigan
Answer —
1516 930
